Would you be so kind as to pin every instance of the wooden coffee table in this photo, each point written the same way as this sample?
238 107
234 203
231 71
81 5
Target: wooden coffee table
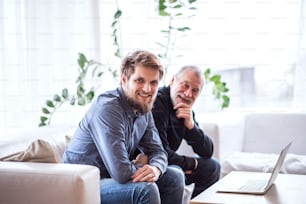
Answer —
288 188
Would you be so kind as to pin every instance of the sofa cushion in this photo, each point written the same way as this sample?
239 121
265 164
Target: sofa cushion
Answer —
51 141
46 183
38 151
262 162
268 132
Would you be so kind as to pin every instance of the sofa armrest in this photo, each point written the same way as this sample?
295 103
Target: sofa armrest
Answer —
36 183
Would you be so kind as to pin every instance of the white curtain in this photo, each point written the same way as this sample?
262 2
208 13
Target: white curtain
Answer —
299 100
39 45
40 41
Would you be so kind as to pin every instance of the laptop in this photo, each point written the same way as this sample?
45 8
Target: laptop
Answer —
257 183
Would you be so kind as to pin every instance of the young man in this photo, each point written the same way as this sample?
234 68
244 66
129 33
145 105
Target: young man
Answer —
175 121
118 123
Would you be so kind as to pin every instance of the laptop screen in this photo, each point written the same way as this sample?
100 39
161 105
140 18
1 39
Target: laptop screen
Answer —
279 164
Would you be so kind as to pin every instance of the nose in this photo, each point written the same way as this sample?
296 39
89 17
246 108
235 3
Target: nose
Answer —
188 92
147 87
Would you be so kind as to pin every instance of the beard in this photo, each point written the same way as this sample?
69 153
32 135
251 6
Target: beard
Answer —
140 107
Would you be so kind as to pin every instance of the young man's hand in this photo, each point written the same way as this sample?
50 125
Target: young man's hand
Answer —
184 110
146 173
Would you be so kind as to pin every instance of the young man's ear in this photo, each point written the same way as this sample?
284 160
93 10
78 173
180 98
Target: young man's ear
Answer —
123 79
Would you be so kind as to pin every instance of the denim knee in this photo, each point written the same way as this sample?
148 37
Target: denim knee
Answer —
178 175
147 193
112 192
171 185
211 166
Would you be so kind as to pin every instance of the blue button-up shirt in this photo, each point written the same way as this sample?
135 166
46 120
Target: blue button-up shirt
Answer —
109 134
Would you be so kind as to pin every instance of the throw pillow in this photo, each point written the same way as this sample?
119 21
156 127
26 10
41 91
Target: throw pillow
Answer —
38 151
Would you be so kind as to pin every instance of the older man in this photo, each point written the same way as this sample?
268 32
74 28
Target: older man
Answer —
175 121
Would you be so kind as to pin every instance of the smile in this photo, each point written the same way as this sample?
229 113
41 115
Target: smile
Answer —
184 99
144 95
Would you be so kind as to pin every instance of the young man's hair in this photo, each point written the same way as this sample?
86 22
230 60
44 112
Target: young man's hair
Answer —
143 58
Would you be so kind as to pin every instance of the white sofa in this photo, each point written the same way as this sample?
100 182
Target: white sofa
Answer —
40 177
263 136
251 141
48 183
31 170
250 144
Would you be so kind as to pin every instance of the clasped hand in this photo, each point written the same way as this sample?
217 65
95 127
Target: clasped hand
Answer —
147 172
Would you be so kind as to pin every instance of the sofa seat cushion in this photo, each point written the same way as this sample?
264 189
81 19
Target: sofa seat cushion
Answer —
45 183
262 162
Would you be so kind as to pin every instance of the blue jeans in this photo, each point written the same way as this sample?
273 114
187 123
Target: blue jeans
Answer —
168 189
207 173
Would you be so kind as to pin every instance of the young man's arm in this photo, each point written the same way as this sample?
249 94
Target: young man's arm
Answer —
108 129
152 148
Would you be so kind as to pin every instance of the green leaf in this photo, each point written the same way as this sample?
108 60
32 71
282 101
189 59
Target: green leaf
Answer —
57 98
81 101
90 95
45 110
82 76
78 79
163 13
100 74
177 6
218 95
216 78
118 14
114 33
191 1
162 5
43 119
223 87
82 60
50 103
183 29
226 101
207 73
65 93
72 101
42 124
117 53
115 74
114 23
80 91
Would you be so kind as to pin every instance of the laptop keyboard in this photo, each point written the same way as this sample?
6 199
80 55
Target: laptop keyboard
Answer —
253 185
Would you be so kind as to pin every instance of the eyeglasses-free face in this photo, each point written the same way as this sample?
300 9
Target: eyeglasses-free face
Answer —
185 88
